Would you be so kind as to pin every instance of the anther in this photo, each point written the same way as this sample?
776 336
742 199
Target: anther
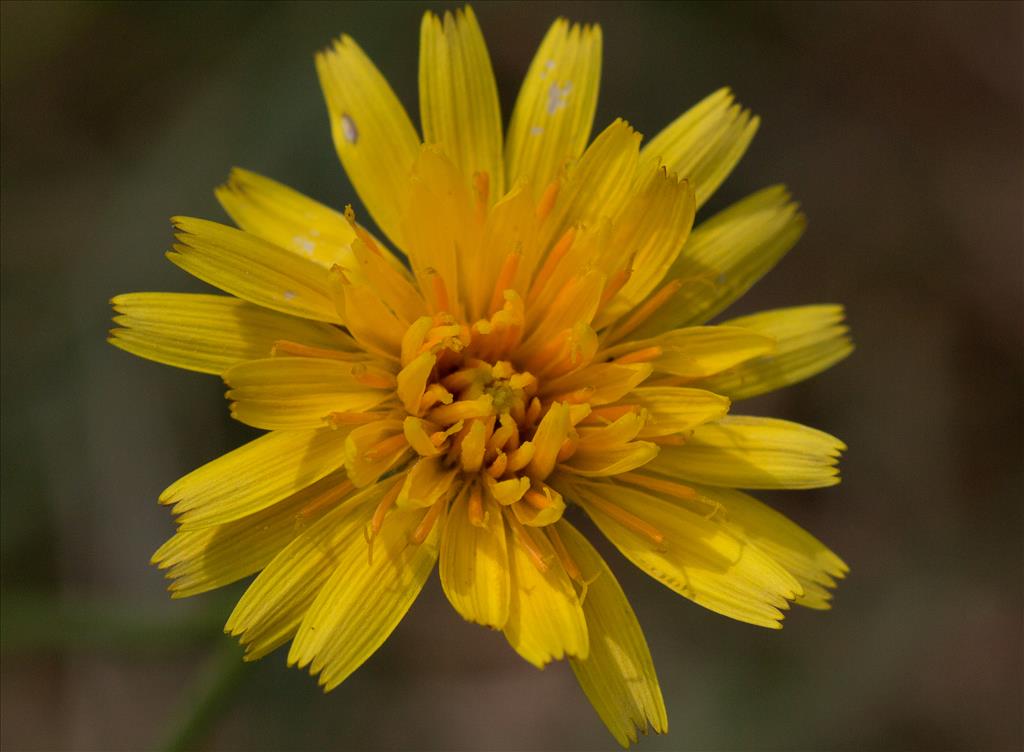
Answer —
505 278
558 252
645 311
522 535
644 355
547 200
476 507
626 519
427 523
328 497
384 448
287 347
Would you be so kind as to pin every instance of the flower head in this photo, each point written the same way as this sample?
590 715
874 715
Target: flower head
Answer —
545 345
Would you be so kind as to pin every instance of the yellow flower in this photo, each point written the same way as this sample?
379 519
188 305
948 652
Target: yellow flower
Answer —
546 345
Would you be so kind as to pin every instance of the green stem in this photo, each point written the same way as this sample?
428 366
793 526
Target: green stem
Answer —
209 698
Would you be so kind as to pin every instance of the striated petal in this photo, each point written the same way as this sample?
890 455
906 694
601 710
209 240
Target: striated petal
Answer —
271 609
688 552
698 351
253 269
287 218
726 255
458 96
427 481
201 560
603 382
372 133
741 451
814 566
545 620
705 142
611 449
210 333
547 441
618 676
288 393
674 409
373 449
809 340
474 564
554 112
364 599
255 476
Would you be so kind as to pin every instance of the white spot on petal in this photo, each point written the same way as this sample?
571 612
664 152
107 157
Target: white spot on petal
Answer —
289 295
304 243
348 128
536 130
558 96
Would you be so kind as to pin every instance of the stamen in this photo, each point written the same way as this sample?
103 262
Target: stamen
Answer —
558 252
505 278
568 563
644 312
611 413
623 517
536 499
427 523
441 300
567 450
384 507
533 411
335 419
547 200
329 496
462 410
520 458
482 187
432 395
497 468
616 283
375 378
385 447
476 507
640 356
361 233
671 488
523 537
575 397
674 439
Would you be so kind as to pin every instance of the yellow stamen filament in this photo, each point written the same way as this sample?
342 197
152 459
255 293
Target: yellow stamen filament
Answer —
536 499
427 523
523 537
558 252
384 507
568 563
441 299
626 519
497 468
657 484
386 447
375 379
547 200
505 278
567 450
482 187
640 356
616 283
328 497
646 309
286 347
476 507
520 458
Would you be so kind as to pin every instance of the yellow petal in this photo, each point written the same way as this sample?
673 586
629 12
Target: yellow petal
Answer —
458 97
809 340
372 449
696 557
673 409
365 598
201 560
373 325
547 441
372 133
274 605
604 382
474 564
287 218
254 476
814 566
741 451
427 481
253 269
553 115
705 142
210 333
284 393
598 184
442 229
618 676
412 381
726 255
506 492
417 433
698 351
509 230
650 232
610 450
545 620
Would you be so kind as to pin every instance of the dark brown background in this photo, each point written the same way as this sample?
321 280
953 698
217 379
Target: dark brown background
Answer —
899 127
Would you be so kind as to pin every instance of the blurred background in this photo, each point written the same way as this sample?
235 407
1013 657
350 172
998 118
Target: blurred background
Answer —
898 127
